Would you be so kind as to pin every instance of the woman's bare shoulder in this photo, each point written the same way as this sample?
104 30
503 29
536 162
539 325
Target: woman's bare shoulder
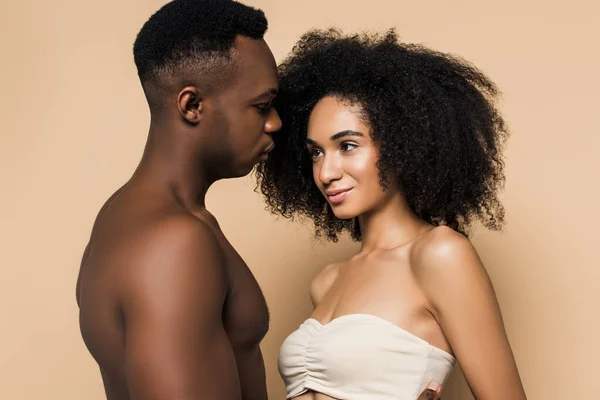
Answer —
323 281
443 251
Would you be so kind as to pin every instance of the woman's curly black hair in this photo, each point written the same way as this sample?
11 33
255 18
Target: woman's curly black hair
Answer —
433 117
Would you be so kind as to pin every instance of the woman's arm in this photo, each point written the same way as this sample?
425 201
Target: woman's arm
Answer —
465 305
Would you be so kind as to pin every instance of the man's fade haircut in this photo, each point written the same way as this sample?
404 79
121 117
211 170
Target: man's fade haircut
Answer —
191 41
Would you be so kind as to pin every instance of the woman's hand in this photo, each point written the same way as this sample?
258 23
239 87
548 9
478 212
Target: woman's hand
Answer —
431 392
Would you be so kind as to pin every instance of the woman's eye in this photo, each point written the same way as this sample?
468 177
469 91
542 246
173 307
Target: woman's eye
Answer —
348 146
314 152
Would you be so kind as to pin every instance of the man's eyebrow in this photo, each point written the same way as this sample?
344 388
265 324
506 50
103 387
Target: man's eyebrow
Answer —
337 136
267 94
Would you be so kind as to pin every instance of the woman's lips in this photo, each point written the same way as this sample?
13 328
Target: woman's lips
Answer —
337 197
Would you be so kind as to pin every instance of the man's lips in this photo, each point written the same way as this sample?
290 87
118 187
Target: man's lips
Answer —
269 148
264 155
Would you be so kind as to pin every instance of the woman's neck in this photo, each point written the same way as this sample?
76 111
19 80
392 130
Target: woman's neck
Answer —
390 225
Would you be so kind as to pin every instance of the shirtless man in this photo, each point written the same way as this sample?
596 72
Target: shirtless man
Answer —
168 309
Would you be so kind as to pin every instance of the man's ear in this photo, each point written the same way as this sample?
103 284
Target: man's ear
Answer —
189 104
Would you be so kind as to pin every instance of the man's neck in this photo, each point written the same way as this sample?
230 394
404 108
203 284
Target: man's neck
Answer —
176 167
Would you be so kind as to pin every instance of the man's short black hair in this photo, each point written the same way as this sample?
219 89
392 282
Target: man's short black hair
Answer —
193 33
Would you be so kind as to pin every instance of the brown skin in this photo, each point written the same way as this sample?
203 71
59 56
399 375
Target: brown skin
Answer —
168 308
429 281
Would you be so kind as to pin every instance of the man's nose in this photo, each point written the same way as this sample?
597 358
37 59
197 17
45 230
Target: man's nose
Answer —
273 122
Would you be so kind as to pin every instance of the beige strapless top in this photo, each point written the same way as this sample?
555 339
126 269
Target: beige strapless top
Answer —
360 357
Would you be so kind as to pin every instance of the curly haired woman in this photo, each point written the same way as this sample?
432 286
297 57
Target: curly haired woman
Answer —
400 146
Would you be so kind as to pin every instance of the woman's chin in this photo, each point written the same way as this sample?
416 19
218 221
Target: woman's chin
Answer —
342 213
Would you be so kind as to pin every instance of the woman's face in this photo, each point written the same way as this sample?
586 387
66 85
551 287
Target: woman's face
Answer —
344 158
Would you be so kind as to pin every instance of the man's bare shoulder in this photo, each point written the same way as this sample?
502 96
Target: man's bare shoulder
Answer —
172 252
177 229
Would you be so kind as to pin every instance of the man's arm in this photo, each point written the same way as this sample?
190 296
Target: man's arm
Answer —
176 347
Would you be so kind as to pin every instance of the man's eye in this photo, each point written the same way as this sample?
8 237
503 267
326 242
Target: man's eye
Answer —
263 108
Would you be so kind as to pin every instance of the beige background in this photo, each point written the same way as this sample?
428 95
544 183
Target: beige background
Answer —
73 123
